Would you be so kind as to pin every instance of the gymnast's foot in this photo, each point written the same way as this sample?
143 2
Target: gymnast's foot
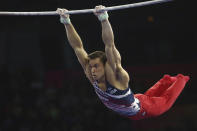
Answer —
167 80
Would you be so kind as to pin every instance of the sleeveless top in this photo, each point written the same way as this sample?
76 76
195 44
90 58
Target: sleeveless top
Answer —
121 101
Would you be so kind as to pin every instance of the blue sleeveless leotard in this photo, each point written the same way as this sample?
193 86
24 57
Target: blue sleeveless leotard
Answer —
121 101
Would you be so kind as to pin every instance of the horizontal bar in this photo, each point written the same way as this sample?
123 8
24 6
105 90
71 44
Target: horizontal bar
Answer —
87 10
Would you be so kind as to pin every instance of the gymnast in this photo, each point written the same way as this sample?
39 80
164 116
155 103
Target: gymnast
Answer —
111 81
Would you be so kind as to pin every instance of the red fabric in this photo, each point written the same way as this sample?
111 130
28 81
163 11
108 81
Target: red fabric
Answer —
160 97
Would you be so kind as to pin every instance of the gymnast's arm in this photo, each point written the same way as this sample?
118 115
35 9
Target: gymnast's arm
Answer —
73 38
113 55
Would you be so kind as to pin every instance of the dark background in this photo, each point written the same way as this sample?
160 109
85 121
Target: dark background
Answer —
42 86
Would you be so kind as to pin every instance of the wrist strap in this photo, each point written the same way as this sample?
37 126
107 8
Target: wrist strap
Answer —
103 16
65 20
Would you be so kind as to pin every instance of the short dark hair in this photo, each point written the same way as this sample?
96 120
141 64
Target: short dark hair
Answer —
98 54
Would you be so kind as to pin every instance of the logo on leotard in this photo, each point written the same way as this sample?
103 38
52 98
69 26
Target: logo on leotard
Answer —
113 91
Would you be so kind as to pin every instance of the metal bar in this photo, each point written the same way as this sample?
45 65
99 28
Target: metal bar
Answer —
87 10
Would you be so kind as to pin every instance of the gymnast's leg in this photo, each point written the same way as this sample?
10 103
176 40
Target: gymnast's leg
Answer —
163 84
172 93
152 106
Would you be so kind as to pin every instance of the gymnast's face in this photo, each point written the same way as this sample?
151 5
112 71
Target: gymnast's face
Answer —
97 69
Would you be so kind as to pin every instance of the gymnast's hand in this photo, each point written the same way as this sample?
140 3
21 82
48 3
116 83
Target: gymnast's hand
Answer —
100 13
64 16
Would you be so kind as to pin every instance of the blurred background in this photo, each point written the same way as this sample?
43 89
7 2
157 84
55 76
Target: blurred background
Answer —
42 85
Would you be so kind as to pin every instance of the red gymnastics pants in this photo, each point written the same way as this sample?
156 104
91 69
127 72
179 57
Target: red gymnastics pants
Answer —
160 97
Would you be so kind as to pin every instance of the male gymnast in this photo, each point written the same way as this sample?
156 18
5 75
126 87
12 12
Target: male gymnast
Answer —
111 81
